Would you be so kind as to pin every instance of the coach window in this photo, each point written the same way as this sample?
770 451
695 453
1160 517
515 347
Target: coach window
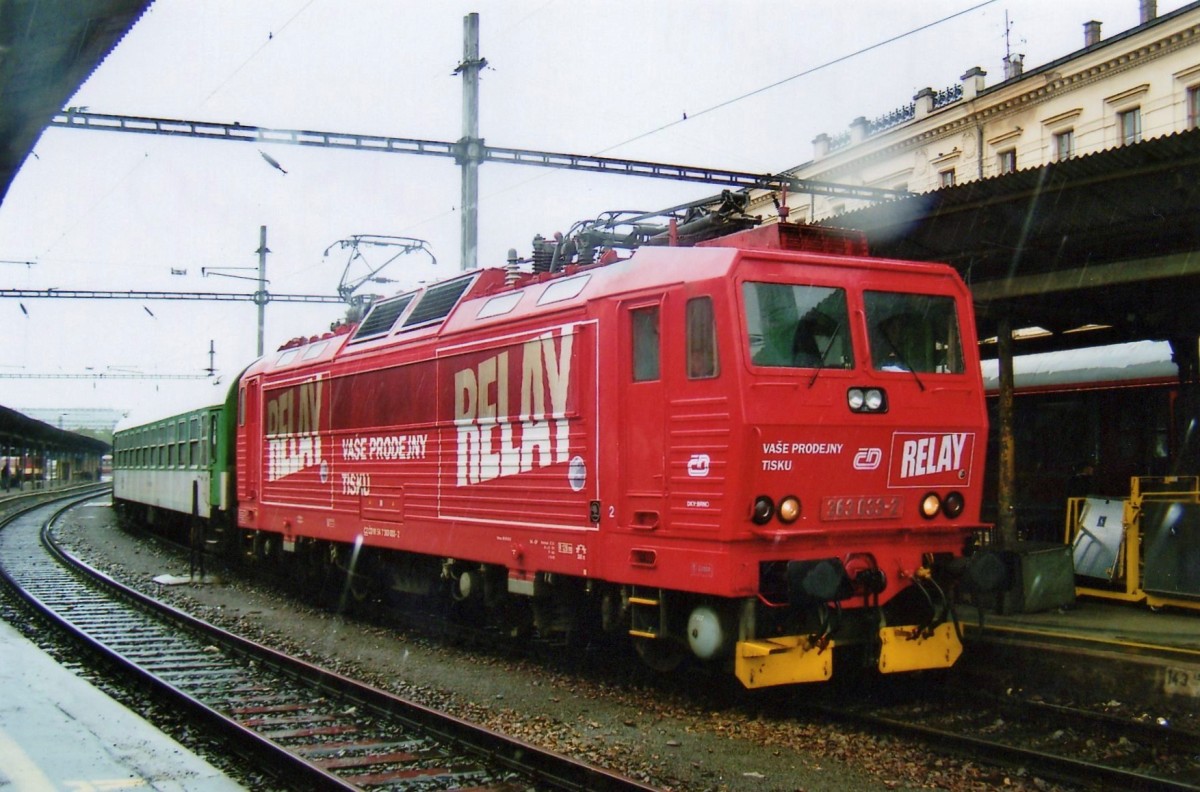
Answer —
701 339
645 344
194 441
181 439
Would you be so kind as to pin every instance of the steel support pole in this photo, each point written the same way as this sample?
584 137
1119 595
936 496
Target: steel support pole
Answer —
1006 517
260 296
470 146
1185 409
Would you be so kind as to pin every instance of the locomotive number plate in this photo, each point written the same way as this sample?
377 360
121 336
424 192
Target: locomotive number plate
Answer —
861 507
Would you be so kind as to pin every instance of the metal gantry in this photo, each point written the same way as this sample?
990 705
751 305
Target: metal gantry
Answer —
94 294
212 130
105 376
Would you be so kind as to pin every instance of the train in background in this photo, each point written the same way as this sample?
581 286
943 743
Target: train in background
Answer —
763 449
1085 422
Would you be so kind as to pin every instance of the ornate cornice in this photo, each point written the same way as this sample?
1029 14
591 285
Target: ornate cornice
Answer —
966 114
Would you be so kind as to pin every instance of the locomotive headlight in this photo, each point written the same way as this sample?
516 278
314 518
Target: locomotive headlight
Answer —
862 400
952 504
789 509
763 510
931 504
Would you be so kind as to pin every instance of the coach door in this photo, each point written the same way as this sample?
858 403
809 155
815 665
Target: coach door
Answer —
643 410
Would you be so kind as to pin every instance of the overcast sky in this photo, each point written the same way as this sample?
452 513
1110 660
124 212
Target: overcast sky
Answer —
112 211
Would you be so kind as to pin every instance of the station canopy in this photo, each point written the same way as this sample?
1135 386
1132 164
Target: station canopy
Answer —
19 431
47 49
1093 250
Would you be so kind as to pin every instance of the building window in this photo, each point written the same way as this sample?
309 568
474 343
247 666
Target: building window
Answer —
1131 126
1193 108
645 344
946 178
1064 145
1007 160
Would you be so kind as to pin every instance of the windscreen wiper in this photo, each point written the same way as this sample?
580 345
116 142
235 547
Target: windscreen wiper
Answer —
903 361
825 354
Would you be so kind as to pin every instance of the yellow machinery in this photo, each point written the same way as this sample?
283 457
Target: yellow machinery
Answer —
1152 555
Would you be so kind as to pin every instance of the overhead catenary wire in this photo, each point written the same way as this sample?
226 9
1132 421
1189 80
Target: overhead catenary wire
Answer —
724 104
811 70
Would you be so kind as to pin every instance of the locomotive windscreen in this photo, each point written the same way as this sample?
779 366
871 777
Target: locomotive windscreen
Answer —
798 326
913 332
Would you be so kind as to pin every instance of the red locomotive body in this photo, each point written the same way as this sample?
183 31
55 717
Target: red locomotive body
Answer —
754 452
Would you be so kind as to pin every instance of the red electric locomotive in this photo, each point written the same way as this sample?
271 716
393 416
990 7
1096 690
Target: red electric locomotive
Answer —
752 449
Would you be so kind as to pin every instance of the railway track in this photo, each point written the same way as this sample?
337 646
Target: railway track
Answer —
305 724
1077 747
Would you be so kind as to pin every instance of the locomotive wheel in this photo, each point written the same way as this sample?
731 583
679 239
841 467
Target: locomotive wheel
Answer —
351 582
358 586
661 655
266 547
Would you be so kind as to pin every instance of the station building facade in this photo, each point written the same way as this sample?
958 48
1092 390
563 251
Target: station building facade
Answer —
1132 86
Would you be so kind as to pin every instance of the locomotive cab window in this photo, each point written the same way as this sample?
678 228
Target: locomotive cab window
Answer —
701 339
913 332
795 326
645 344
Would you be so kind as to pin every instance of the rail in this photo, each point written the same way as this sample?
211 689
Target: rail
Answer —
311 725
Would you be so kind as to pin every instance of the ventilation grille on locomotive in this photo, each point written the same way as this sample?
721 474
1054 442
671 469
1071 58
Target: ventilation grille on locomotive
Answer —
437 302
381 318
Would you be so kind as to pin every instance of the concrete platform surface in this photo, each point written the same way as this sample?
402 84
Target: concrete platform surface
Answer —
1129 626
58 732
1094 650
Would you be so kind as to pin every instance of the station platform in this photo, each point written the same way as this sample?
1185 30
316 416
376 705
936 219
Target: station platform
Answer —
59 732
1093 650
